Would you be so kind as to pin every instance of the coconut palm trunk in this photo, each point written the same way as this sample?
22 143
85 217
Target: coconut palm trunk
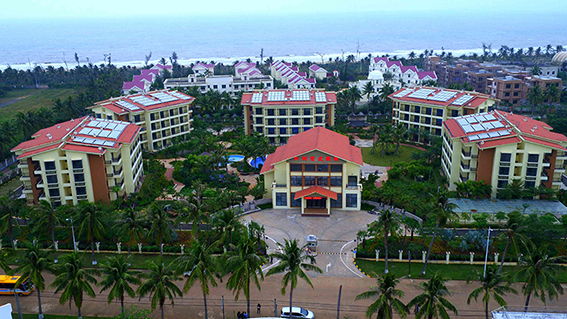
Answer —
527 302
92 248
39 304
386 248
18 306
429 250
79 312
53 240
122 305
290 301
161 309
504 255
205 301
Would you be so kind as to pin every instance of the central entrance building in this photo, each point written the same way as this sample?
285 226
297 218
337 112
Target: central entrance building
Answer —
315 171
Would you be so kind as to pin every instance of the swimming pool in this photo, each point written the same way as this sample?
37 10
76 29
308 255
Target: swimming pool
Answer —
257 161
235 158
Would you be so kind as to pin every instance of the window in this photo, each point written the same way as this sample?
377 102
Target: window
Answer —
258 120
336 168
271 130
171 112
529 184
271 112
260 130
180 110
49 166
281 199
136 118
507 94
271 122
428 110
309 181
283 130
81 190
294 130
306 111
52 179
295 167
283 122
295 121
98 116
338 202
153 126
336 181
162 114
322 168
504 170
351 200
294 111
296 181
508 86
283 112
438 122
533 158
427 120
319 110
171 122
310 167
318 119
258 111
417 109
531 171
54 192
306 121
516 86
109 117
215 86
224 86
77 164
295 202
322 181
505 157
502 184
439 112
455 113
352 181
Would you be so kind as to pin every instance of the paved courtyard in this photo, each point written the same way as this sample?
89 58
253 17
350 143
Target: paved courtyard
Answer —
336 234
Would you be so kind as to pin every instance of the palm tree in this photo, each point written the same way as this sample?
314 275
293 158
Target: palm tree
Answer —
374 130
9 208
354 95
443 211
192 211
539 275
398 136
367 90
92 224
292 264
47 218
245 264
32 266
74 280
159 229
387 224
202 265
387 301
491 283
159 285
131 227
432 302
226 221
512 233
385 138
117 277
535 96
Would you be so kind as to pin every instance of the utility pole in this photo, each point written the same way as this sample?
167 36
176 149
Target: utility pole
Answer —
222 306
486 255
275 308
339 303
261 56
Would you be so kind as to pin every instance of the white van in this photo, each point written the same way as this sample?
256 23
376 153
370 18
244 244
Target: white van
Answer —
297 312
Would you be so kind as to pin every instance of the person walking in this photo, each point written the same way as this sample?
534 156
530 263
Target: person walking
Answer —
239 315
258 308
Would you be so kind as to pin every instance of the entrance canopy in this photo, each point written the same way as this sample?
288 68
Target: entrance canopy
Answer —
316 190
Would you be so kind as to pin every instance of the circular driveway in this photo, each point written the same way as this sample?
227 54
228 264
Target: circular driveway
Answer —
336 234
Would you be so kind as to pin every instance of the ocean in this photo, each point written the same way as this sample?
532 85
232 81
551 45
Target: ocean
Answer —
300 37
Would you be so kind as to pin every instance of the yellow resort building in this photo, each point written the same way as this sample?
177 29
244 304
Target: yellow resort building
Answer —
163 115
89 159
315 171
279 114
499 147
426 108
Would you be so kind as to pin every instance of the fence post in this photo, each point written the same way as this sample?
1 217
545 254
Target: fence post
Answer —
182 248
56 244
140 248
496 258
119 246
447 257
400 252
423 253
377 254
472 257
76 246
97 247
0 244
15 244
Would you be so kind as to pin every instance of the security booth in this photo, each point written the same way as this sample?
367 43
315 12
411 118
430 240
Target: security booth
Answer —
312 244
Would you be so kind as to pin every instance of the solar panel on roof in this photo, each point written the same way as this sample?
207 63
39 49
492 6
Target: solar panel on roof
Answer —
421 94
95 132
320 97
164 98
493 134
497 124
145 101
257 98
489 117
443 96
109 143
467 128
104 133
111 126
98 142
462 122
403 93
88 140
114 134
463 99
487 125
78 139
504 133
120 127
477 127
128 105
472 119
473 138
180 95
300 96
276 96
483 136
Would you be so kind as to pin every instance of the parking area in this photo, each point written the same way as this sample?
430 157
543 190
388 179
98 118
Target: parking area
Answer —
336 234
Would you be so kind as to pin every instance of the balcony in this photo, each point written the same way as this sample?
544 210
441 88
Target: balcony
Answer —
24 178
545 163
27 191
467 168
534 164
463 178
40 184
562 155
544 178
560 169
82 197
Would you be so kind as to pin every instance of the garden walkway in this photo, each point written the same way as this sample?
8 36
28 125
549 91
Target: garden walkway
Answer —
169 173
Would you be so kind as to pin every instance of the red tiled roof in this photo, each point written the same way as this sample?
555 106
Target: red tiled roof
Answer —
526 124
84 149
39 150
128 99
247 98
57 133
498 142
540 142
477 100
318 138
316 189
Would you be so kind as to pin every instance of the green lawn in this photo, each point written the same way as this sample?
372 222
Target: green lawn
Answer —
453 271
387 160
10 186
30 99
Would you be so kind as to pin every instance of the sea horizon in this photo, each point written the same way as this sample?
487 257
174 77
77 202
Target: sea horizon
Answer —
300 38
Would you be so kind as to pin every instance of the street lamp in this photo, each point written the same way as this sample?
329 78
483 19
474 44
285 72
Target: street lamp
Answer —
73 232
486 255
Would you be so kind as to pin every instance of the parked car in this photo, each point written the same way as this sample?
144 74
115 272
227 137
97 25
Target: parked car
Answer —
297 312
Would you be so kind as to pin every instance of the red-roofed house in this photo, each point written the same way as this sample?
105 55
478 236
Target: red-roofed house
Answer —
290 76
84 159
279 114
318 72
315 171
426 108
135 87
204 69
163 115
499 147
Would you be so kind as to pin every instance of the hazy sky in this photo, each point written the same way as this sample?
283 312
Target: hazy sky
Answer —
52 9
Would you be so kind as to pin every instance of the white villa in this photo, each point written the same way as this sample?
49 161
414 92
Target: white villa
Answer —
203 68
290 75
317 72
